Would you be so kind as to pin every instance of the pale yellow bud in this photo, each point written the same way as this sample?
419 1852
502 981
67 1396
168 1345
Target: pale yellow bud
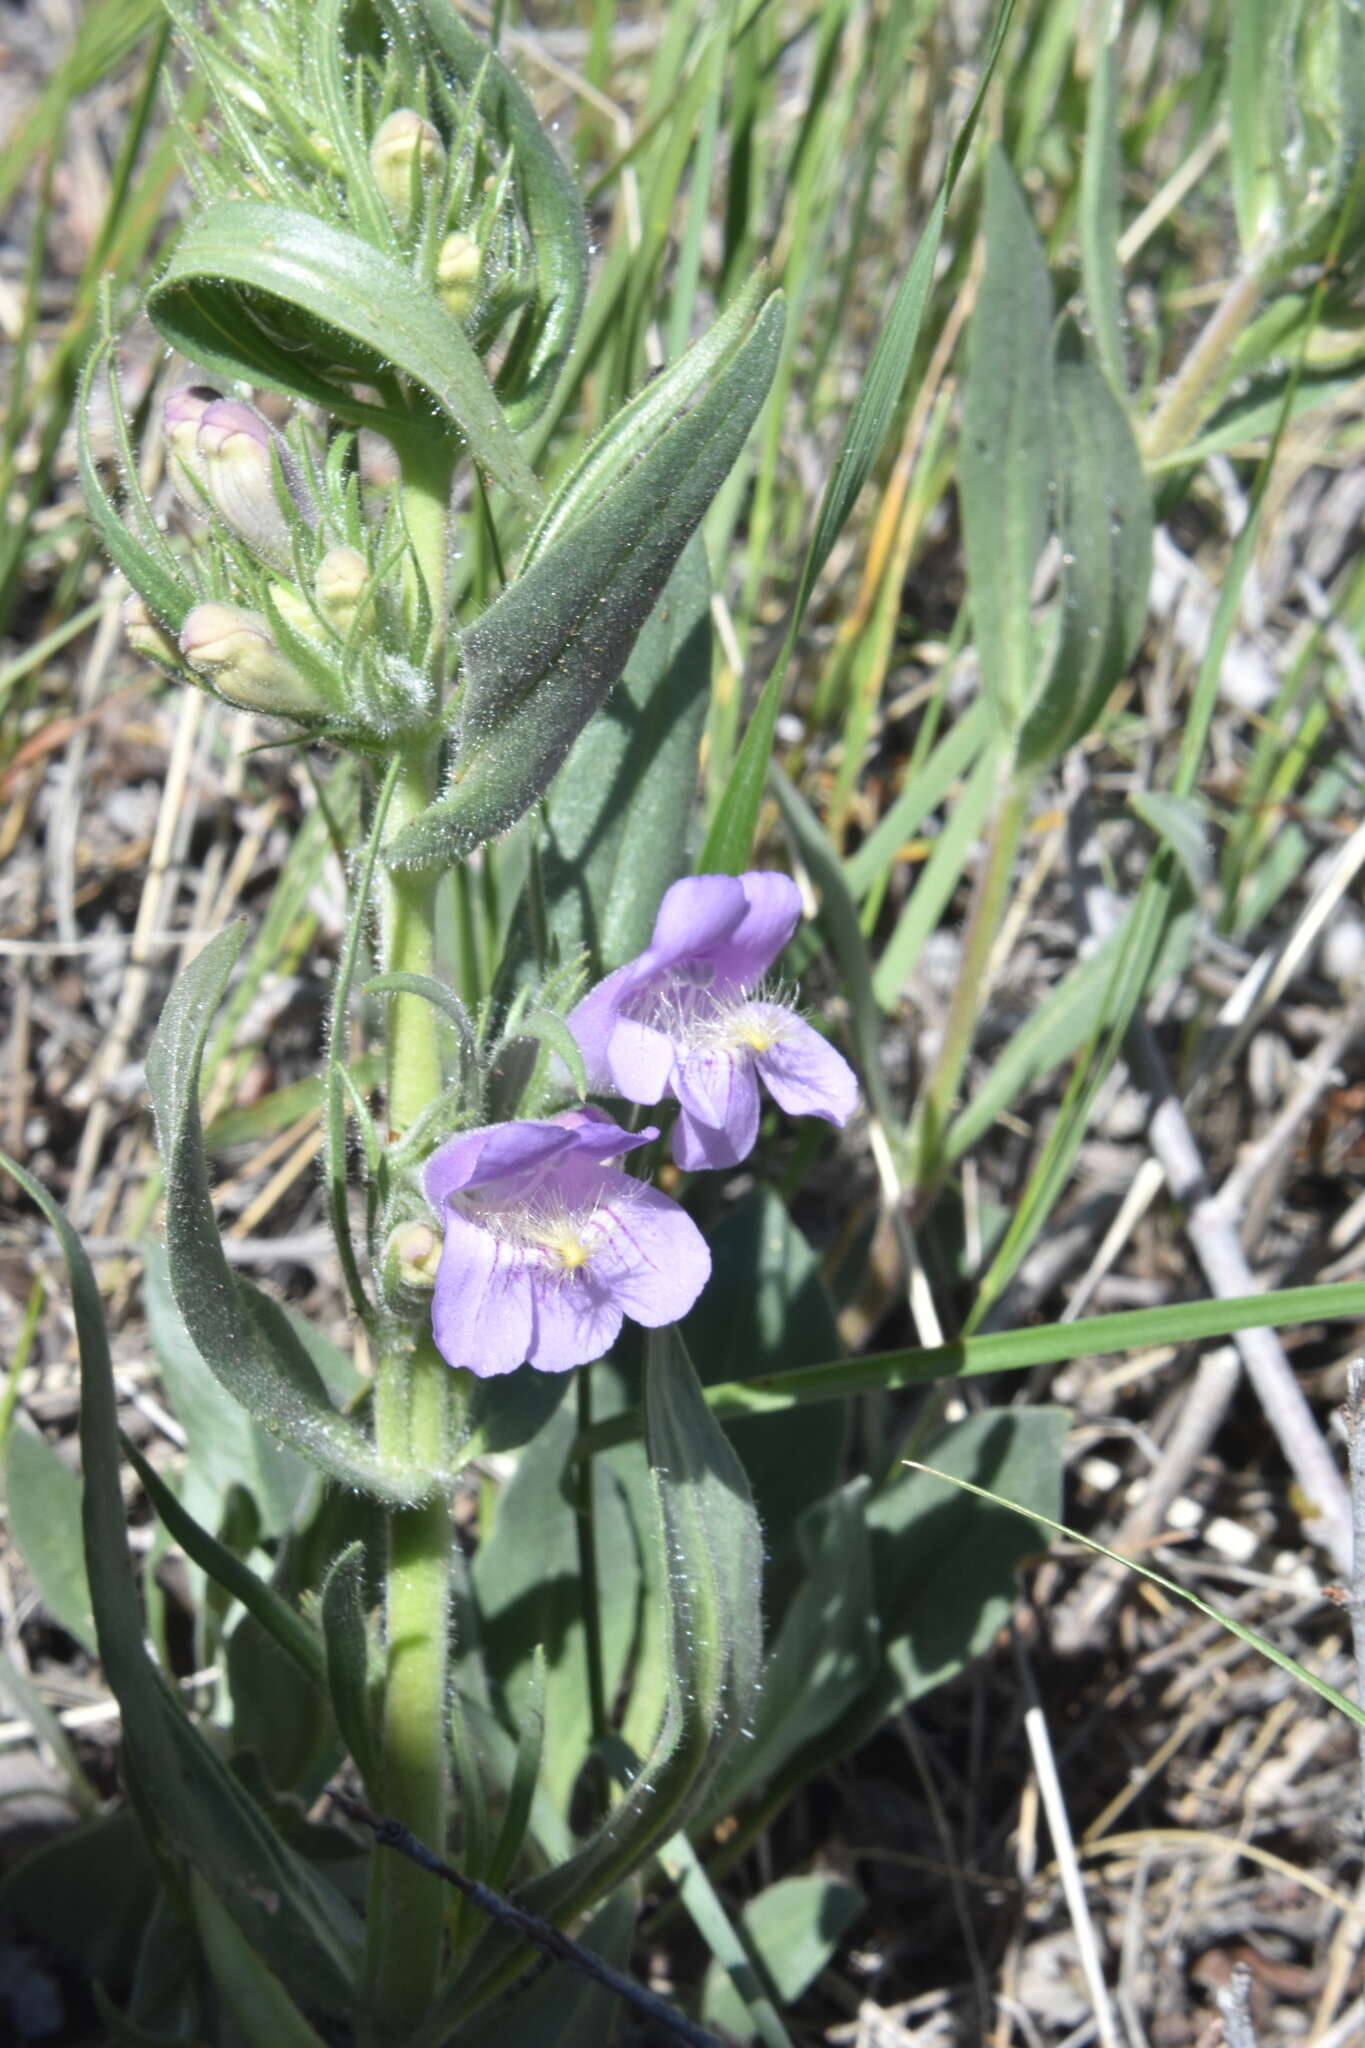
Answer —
146 636
340 585
295 610
233 649
413 1255
457 274
406 154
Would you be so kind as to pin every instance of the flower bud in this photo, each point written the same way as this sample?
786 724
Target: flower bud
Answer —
233 449
457 274
145 635
340 585
234 650
412 1256
406 154
180 418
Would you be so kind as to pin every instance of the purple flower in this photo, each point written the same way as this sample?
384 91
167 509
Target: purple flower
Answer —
693 1018
549 1246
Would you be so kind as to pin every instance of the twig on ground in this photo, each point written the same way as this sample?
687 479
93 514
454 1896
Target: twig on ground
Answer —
1234 2003
391 1834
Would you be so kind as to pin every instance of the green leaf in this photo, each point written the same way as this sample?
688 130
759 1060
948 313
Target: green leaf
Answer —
561 2005
1104 526
731 832
793 1928
709 1554
1257 62
128 531
245 269
298 1925
232 1573
246 1340
43 1498
255 1997
733 1995
1179 821
347 1641
1006 467
615 825
766 1305
279 1716
543 657
226 1446
1256 412
827 1649
1101 173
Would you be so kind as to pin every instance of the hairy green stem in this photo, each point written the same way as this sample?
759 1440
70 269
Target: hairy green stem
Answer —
969 994
413 1390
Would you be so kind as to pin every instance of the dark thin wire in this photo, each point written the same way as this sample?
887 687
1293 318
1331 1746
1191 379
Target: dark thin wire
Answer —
391 1834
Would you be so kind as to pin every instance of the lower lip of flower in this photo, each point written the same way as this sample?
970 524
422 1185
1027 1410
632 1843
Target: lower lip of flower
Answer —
564 1240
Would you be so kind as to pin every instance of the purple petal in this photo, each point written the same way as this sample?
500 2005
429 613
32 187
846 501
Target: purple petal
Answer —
706 1080
655 1262
481 1310
594 1019
599 1137
493 1153
703 1142
771 914
696 916
640 1060
576 1321
806 1076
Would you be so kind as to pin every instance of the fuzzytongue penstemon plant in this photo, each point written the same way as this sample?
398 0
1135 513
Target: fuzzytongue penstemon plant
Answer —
385 239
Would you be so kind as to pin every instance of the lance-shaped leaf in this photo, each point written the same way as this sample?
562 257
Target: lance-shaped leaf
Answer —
548 200
617 814
246 1339
710 1563
1007 433
262 292
1104 525
301 1927
542 658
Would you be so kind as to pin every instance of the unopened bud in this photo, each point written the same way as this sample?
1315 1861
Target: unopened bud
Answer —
233 649
340 585
406 154
233 449
146 636
457 274
412 1255
180 418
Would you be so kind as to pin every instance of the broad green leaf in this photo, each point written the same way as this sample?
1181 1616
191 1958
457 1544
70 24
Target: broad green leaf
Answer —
615 823
226 1446
296 1923
745 2007
43 1500
793 1928
1104 527
549 201
506 1412
1006 467
766 1305
246 1340
529 1593
232 1573
279 298
943 1573
347 1641
542 658
280 1721
254 1995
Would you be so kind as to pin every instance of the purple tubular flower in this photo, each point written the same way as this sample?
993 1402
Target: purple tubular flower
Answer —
549 1246
691 1018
